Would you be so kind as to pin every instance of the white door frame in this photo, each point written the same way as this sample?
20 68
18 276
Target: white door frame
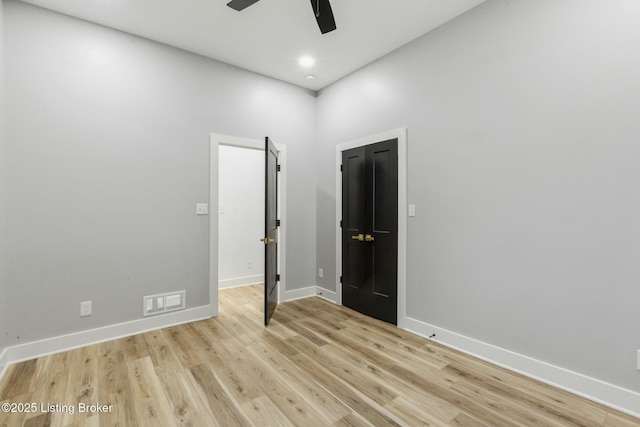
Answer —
214 143
401 136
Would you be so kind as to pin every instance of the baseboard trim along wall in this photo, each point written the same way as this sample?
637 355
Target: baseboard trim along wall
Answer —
240 281
326 294
295 294
4 363
310 291
35 349
610 395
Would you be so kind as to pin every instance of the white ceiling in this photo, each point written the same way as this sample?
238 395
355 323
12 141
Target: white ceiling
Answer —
270 36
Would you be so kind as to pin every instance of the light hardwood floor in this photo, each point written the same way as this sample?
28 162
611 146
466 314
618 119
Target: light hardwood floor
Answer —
317 364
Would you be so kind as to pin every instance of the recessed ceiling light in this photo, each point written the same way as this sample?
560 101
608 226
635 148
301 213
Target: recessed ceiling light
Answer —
310 77
306 61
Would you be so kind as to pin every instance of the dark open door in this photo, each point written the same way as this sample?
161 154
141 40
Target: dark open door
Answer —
370 230
270 239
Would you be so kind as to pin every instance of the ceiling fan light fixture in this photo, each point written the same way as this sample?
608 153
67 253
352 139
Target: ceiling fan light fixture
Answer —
310 77
306 61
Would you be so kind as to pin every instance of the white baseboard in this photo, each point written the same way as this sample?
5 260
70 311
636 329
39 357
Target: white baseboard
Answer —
326 294
240 281
593 389
295 294
32 350
310 291
4 363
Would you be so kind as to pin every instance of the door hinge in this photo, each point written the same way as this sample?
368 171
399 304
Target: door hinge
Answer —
278 168
277 223
277 277
340 223
340 279
340 168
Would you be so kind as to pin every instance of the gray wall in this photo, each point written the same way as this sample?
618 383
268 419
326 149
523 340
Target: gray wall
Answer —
3 204
523 163
108 148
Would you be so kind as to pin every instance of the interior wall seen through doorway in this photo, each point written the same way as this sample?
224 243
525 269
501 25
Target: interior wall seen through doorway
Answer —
240 216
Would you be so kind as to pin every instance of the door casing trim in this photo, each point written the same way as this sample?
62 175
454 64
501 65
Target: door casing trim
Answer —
401 135
215 141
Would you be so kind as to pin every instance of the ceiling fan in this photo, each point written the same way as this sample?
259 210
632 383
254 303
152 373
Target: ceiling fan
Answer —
321 9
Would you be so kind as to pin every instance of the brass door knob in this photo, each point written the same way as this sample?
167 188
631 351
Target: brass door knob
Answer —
369 238
358 237
267 240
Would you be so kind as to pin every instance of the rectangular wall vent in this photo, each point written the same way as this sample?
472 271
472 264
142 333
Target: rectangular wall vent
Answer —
163 303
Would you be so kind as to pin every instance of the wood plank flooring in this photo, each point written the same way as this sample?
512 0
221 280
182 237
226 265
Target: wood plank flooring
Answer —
317 364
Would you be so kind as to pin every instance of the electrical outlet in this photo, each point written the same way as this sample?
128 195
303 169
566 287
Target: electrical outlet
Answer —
202 209
250 264
85 308
320 273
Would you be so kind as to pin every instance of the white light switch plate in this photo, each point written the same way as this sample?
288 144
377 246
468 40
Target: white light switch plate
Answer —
202 209
412 210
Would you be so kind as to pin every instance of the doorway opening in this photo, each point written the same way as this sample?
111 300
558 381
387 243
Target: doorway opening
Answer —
220 148
240 216
400 138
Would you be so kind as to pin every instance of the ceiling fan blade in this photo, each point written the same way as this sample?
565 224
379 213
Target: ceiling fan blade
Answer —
324 15
241 4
